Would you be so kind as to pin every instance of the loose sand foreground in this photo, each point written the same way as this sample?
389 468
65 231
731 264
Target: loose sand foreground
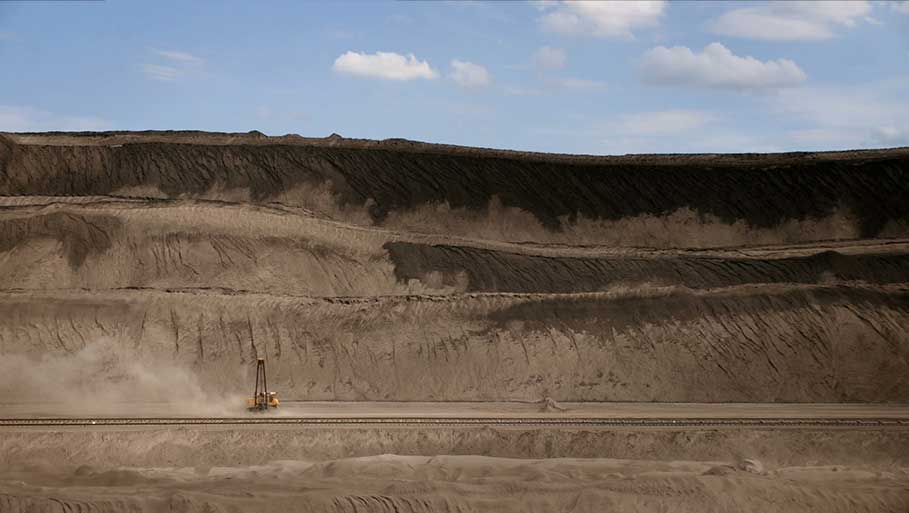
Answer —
460 483
288 468
460 468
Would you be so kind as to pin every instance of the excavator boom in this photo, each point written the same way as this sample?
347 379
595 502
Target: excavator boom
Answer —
262 399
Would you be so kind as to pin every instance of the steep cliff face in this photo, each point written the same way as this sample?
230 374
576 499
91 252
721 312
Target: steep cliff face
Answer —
402 271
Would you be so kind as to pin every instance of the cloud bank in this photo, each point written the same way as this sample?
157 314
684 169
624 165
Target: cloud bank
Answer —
716 67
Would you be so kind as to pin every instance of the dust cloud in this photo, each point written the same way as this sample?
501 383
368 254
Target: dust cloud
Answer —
105 378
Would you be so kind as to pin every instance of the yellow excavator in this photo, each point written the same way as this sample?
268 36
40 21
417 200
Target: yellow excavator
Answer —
262 399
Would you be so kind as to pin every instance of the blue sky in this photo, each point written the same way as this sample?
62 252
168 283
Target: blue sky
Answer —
574 77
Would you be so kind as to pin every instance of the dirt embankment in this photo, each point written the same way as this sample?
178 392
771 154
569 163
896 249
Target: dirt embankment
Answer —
389 270
558 192
755 343
484 270
187 243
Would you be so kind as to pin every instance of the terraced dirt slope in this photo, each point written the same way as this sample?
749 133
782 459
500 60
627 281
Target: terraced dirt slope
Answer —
394 270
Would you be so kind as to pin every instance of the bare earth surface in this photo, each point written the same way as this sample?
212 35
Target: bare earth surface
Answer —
460 483
541 409
142 274
499 468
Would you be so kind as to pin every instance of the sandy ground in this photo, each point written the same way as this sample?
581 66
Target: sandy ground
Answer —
501 469
542 409
460 483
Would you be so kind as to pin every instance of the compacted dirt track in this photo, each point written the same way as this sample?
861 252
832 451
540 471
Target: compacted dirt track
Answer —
153 268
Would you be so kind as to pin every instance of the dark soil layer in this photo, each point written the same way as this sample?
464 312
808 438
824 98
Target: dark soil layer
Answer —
761 190
499 271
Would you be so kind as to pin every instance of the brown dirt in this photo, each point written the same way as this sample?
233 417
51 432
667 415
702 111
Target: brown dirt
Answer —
159 265
473 483
280 469
755 343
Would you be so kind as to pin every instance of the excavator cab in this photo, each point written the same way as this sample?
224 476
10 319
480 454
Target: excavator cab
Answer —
262 399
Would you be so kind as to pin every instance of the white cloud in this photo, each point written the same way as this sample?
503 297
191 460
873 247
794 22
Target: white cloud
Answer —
549 58
179 57
902 7
577 84
177 65
469 75
667 122
602 19
792 20
158 72
27 119
717 67
384 65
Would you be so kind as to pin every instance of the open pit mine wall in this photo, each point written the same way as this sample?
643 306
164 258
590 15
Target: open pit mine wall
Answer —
345 312
763 191
751 343
163 244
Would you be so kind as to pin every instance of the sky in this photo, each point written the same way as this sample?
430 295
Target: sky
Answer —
570 77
